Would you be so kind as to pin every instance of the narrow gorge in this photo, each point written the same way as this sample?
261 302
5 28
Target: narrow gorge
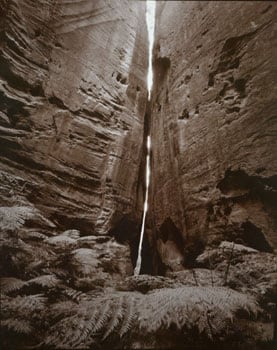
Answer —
138 174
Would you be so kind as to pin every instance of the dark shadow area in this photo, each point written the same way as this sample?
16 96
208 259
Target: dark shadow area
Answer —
193 248
169 232
16 112
66 222
258 186
127 230
241 188
254 237
161 66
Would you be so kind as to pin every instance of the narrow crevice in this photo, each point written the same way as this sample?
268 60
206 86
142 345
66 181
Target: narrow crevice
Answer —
150 21
145 183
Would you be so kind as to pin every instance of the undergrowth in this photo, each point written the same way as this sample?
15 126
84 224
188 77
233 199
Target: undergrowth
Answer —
42 306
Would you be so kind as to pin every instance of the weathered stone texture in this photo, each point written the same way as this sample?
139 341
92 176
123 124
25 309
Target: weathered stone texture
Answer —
73 99
212 125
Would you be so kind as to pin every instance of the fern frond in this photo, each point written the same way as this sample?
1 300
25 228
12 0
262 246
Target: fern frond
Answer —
72 331
12 218
10 284
58 272
17 325
116 318
48 281
210 310
88 323
129 316
23 305
61 335
63 309
105 317
74 295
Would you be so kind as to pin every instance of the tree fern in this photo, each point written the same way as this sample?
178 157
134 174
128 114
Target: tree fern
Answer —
210 310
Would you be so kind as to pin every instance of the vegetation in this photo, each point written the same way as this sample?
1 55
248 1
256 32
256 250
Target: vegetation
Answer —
43 305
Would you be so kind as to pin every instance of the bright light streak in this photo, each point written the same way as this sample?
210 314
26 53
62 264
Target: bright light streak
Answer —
148 142
150 21
145 208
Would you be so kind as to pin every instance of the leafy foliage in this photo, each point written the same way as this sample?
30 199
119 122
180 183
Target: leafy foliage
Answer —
23 306
12 218
10 284
209 310
48 281
43 299
17 325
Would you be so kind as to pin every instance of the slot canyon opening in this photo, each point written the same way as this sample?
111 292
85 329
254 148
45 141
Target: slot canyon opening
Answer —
150 21
127 231
170 245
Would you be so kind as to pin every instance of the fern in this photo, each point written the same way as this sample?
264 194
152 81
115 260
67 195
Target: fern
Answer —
23 305
129 316
62 309
17 325
64 332
58 272
74 295
20 314
11 284
48 281
117 317
105 317
75 328
210 310
12 218
89 326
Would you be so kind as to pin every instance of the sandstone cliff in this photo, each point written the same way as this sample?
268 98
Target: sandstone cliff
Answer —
74 118
212 127
72 101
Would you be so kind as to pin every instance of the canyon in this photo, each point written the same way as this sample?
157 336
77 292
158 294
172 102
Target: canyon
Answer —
75 117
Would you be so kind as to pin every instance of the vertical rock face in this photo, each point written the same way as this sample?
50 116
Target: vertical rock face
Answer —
73 99
212 126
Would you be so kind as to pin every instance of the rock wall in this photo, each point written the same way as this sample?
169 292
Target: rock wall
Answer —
73 100
212 127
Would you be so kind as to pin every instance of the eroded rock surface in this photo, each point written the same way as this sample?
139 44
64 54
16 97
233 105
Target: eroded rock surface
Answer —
212 126
72 101
73 104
